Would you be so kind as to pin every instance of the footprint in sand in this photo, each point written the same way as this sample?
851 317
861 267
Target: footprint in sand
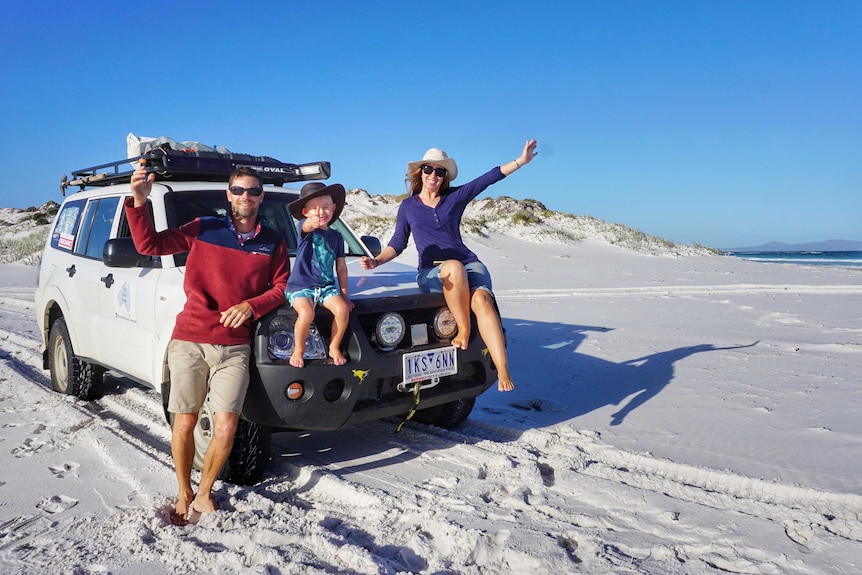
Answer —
56 504
29 447
65 469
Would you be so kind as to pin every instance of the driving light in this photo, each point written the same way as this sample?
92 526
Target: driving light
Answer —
444 324
390 330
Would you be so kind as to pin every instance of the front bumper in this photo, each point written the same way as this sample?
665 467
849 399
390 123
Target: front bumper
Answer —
365 388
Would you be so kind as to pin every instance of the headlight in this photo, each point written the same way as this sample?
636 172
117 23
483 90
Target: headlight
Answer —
280 337
390 329
280 344
444 324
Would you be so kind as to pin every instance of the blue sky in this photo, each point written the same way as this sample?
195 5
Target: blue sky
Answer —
721 122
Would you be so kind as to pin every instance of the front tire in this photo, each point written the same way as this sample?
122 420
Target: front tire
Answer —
449 415
69 374
250 454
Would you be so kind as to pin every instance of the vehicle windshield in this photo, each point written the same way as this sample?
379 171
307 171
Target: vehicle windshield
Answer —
183 207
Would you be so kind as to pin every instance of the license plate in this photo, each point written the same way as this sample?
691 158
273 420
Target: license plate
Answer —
422 365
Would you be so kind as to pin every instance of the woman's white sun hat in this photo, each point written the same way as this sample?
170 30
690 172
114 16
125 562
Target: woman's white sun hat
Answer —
439 157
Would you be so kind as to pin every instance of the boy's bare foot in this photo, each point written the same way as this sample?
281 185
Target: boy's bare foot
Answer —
337 357
505 384
296 358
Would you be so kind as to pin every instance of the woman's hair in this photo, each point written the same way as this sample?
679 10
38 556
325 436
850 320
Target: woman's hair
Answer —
413 181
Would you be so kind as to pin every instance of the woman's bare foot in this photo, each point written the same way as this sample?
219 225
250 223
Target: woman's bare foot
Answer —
296 359
505 384
461 338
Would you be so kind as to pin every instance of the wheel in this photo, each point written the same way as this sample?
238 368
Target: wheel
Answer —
69 374
248 458
449 415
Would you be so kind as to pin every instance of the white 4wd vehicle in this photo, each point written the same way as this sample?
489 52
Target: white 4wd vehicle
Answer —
102 306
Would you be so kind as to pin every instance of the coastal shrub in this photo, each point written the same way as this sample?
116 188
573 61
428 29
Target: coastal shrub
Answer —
559 236
26 250
525 218
476 225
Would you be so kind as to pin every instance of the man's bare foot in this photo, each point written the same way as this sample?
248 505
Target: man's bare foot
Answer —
337 357
296 359
204 504
181 510
505 384
181 507
200 506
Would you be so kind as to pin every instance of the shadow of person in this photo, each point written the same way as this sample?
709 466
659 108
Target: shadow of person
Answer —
656 371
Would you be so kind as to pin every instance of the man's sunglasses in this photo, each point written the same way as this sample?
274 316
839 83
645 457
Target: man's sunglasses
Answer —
239 190
426 169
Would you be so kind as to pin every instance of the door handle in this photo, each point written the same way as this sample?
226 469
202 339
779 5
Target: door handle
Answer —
71 270
108 280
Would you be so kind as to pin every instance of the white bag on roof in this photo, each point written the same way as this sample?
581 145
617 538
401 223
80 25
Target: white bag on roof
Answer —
136 146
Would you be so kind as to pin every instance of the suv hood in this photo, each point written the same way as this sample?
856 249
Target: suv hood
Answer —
393 279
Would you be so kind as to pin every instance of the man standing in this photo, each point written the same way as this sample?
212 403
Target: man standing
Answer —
236 271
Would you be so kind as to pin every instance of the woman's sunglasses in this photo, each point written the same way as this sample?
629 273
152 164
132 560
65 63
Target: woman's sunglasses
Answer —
239 190
426 169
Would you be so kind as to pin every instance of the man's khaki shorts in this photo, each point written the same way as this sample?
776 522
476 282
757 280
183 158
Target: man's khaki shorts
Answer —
198 368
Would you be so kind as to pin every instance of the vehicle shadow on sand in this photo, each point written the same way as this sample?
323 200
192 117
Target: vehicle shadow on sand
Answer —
567 384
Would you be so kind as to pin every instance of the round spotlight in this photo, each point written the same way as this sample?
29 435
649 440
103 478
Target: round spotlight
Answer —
444 324
390 329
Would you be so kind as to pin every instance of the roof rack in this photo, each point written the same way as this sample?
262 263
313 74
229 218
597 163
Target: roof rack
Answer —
180 165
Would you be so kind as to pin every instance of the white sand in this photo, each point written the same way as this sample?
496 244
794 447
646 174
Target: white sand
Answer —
672 415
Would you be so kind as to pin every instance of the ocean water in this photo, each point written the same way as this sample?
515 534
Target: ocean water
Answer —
834 259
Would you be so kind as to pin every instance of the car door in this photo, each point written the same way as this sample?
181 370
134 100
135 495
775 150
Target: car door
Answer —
64 270
126 327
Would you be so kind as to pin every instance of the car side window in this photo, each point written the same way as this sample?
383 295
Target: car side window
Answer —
96 227
66 225
182 207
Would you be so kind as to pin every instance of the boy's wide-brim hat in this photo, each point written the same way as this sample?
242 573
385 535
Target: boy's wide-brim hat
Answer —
439 157
315 190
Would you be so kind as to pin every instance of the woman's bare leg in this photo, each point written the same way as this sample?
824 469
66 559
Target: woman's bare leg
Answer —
491 331
456 292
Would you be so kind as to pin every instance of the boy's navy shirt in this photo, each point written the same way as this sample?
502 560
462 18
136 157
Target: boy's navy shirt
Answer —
305 272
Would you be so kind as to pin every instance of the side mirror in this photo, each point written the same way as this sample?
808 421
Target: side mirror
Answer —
121 253
373 244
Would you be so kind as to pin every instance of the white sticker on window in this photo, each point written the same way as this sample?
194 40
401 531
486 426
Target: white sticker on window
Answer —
66 241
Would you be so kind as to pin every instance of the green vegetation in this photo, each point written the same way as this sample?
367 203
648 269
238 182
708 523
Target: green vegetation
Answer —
525 218
26 250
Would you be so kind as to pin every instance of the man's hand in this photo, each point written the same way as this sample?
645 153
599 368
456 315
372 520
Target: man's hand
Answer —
142 184
236 315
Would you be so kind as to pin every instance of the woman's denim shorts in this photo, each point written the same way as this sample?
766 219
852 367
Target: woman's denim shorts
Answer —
477 275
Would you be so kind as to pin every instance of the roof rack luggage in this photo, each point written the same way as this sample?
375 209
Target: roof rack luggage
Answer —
180 165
